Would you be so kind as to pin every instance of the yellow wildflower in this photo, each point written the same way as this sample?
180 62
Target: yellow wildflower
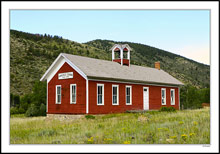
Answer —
159 129
90 140
173 137
181 122
191 134
184 136
195 123
127 142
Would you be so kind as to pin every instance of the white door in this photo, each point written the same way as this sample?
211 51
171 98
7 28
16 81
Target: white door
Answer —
146 98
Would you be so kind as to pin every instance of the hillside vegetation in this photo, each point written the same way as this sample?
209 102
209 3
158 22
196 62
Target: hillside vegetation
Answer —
32 54
186 70
152 127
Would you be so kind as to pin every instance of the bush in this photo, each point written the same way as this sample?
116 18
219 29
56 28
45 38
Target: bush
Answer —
42 111
167 109
171 109
33 110
16 110
24 106
89 116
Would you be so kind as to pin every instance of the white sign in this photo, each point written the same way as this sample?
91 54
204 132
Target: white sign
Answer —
66 75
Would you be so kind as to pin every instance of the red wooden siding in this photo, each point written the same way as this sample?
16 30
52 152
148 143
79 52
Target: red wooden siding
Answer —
137 98
80 107
65 106
125 61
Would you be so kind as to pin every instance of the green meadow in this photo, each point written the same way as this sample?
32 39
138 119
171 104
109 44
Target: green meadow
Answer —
152 127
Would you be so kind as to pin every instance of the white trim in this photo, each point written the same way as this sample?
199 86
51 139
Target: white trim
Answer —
130 95
173 97
121 56
75 67
116 46
65 60
55 69
148 98
47 96
132 83
60 94
117 94
87 96
98 84
165 96
51 66
71 101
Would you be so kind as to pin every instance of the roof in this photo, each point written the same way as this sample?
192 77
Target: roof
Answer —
104 69
121 46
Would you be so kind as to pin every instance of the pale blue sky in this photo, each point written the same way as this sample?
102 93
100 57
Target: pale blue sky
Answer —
183 32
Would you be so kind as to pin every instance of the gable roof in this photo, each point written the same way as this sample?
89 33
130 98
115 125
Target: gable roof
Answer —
109 70
92 68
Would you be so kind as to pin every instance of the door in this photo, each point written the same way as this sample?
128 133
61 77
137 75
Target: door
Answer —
146 98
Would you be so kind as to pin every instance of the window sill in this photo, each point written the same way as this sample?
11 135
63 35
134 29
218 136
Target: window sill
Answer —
100 104
73 103
115 104
128 104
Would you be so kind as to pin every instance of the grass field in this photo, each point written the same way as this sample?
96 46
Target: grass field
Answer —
153 127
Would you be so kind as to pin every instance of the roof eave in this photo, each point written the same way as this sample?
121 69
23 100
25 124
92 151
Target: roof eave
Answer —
133 81
43 78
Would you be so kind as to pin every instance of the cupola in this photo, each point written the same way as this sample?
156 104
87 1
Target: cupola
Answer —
121 54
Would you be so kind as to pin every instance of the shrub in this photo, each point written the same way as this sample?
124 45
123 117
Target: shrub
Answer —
32 111
16 110
24 106
163 108
167 109
171 109
13 110
42 111
89 116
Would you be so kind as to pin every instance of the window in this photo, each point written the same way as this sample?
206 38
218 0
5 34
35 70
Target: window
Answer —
163 96
128 92
172 96
58 94
100 94
115 95
73 94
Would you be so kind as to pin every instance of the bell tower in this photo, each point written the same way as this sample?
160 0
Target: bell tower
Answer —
121 54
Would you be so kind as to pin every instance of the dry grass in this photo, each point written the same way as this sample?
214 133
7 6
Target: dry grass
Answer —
181 127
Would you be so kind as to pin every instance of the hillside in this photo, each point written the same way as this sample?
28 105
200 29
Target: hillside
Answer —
32 54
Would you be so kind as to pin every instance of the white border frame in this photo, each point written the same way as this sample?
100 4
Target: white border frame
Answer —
127 86
114 85
100 84
71 101
165 96
174 93
214 87
60 94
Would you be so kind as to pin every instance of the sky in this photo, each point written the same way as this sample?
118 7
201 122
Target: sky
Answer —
183 32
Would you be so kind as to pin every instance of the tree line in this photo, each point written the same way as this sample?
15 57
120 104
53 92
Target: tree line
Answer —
34 103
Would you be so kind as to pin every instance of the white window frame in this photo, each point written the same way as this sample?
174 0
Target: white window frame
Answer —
164 97
117 94
172 103
102 93
60 94
71 101
130 95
